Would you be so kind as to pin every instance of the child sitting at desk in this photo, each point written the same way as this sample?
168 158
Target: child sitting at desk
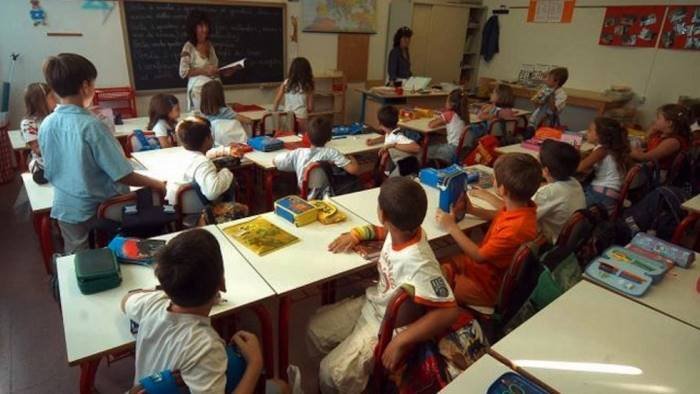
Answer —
163 114
454 116
478 272
550 100
39 102
82 159
195 136
174 328
320 132
225 128
560 196
401 149
298 92
499 107
348 330
669 135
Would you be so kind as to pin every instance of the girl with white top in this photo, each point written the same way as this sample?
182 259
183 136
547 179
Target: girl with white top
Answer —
609 161
39 101
457 109
298 92
163 114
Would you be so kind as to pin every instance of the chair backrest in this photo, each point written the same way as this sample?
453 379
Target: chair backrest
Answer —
133 144
188 203
278 121
121 100
112 208
678 165
630 178
314 178
576 231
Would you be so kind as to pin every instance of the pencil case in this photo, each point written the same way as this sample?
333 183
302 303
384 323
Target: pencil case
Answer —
621 277
265 143
451 182
97 270
654 269
296 210
681 256
511 382
351 129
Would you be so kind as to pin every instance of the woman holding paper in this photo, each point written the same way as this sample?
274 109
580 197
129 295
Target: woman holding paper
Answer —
198 61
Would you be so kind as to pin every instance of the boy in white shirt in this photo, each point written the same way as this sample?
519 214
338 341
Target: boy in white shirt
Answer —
320 132
396 144
195 136
349 329
550 99
174 329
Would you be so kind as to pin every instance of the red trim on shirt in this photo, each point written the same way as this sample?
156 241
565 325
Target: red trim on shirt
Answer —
396 247
434 304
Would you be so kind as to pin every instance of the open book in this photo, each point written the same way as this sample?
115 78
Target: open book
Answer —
240 63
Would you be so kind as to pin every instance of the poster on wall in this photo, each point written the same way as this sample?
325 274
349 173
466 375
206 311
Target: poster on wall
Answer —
682 28
550 11
634 26
350 16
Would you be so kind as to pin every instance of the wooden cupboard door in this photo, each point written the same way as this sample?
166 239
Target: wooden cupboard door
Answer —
448 29
421 39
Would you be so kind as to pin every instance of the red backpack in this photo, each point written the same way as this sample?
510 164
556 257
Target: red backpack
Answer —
484 153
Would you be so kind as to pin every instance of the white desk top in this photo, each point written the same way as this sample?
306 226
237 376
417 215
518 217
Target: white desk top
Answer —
163 164
518 148
692 205
16 140
675 295
307 261
130 124
264 159
94 324
251 116
634 348
364 205
421 125
40 196
478 377
354 144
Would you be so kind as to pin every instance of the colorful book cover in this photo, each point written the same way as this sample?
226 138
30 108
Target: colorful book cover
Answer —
295 204
260 236
135 250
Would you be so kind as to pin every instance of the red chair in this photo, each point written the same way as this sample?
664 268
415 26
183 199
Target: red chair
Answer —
687 224
314 178
630 178
189 206
576 231
381 168
277 122
121 100
112 210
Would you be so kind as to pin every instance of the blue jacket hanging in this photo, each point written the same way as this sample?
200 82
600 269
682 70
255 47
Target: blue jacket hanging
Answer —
489 39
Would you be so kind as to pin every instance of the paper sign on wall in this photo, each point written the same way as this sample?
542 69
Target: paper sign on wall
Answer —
682 28
550 11
634 26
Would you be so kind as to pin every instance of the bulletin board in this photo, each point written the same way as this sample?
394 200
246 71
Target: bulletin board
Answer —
634 26
682 28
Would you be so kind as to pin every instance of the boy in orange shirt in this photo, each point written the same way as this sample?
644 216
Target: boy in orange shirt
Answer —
478 272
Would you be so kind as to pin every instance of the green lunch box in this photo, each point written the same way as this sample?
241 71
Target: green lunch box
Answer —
97 270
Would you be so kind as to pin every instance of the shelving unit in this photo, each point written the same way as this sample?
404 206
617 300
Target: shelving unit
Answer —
329 97
469 65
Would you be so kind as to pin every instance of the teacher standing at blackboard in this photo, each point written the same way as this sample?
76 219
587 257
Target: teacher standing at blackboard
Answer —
399 67
198 61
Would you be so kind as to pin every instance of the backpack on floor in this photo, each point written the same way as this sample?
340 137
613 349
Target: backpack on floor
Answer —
484 153
659 213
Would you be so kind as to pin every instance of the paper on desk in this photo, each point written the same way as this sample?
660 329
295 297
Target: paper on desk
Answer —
240 63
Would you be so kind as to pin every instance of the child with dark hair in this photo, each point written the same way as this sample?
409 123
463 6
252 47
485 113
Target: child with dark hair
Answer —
669 135
399 64
499 107
39 102
479 271
347 331
320 132
455 118
163 114
550 100
609 160
82 160
298 92
213 105
396 144
174 328
195 136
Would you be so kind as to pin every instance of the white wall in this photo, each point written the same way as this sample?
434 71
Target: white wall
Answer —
103 44
659 75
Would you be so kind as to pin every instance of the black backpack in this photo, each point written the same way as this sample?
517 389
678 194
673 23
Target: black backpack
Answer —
659 212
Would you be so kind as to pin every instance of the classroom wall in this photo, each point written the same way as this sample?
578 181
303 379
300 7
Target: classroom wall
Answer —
658 75
102 42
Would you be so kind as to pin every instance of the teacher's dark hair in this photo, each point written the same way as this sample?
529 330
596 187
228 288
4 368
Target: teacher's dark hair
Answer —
194 19
401 33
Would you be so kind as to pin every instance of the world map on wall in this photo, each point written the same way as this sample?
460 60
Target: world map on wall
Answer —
330 16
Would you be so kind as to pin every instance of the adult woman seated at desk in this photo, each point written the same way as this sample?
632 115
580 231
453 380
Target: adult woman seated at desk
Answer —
399 67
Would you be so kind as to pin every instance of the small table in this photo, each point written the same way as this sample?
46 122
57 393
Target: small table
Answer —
40 201
364 204
478 377
94 326
693 208
590 340
304 263
20 148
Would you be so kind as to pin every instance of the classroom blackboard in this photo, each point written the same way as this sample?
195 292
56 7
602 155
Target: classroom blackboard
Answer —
155 33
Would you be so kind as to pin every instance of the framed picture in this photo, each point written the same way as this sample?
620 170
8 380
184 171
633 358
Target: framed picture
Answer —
347 16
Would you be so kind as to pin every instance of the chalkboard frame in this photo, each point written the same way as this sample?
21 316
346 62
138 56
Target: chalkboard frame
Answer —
271 84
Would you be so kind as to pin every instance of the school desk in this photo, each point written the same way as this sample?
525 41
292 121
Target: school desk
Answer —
590 340
586 148
264 161
675 295
20 148
94 325
478 377
40 201
354 144
374 99
364 204
693 208
304 263
575 97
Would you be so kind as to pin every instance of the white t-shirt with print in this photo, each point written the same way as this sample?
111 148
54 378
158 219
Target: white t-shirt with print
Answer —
176 341
454 125
397 137
556 202
298 159
413 267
